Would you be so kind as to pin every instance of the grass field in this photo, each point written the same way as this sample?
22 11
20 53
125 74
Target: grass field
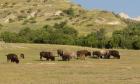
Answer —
90 71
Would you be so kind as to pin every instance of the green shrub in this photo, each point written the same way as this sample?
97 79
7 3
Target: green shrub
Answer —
69 12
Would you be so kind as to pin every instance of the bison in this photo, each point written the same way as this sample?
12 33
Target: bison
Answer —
83 53
96 54
12 57
114 53
104 54
66 56
47 55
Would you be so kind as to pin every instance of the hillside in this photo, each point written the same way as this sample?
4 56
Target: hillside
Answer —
15 15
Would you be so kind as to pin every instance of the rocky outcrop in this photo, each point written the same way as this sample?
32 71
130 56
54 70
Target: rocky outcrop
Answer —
58 13
10 18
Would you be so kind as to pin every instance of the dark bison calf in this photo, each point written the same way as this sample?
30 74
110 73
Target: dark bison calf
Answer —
22 56
13 58
47 55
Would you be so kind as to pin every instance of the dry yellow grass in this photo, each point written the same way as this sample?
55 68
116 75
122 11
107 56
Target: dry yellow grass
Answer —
91 71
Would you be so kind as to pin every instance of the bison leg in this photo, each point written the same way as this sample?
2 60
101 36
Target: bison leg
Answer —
118 56
40 57
8 60
100 57
22 57
78 57
52 58
68 58
63 58
17 61
47 58
12 60
107 56
82 57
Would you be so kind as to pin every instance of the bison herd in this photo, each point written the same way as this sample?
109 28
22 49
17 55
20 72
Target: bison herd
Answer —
67 55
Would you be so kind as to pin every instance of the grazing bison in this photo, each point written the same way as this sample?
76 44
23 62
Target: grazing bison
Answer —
13 58
104 54
96 54
22 55
114 53
47 55
66 56
83 53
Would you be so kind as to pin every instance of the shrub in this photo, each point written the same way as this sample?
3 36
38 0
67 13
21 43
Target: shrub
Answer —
69 12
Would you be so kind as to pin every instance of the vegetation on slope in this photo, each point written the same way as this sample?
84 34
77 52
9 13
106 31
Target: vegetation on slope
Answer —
64 34
16 15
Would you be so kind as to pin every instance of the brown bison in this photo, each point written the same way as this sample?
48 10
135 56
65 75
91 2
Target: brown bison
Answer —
47 55
22 56
12 57
83 53
114 53
106 54
96 54
66 56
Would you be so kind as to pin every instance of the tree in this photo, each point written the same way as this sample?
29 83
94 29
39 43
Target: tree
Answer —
58 38
91 40
9 37
101 38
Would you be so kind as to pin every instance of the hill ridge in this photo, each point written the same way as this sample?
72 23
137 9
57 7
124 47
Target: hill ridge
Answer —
15 14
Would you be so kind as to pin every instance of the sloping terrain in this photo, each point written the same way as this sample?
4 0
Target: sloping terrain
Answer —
15 15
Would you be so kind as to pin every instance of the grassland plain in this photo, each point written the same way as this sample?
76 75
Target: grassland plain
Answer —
90 71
